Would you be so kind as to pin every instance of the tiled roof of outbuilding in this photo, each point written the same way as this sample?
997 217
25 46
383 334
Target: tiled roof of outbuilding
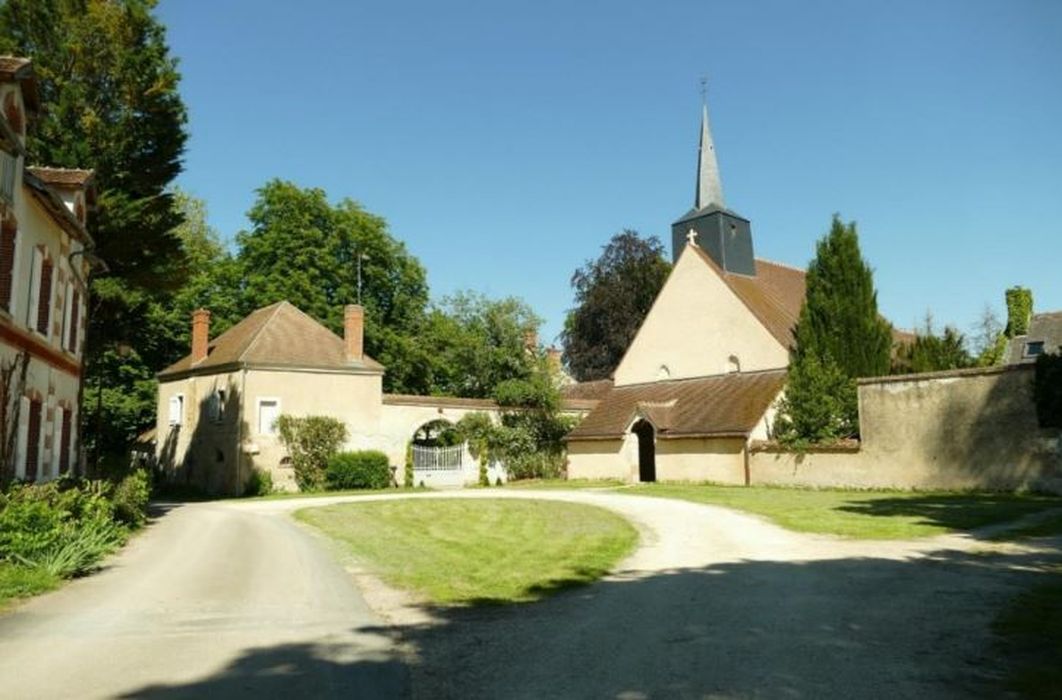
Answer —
592 390
716 406
278 336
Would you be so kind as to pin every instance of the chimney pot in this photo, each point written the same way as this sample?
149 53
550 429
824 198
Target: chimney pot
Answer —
200 334
354 331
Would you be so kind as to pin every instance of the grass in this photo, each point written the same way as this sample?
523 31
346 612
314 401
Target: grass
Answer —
285 495
1049 526
1030 629
862 514
462 552
22 582
548 484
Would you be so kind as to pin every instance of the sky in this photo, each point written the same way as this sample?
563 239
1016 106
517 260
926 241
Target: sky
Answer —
506 142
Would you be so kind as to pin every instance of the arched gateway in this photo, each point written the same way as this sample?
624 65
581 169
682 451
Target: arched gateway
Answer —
646 450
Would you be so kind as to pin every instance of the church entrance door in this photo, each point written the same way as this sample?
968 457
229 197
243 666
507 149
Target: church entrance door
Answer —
646 450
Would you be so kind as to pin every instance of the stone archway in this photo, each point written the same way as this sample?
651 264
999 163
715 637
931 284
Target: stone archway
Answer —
646 434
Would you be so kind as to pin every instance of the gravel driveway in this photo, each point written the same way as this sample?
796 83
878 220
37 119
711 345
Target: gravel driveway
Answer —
234 599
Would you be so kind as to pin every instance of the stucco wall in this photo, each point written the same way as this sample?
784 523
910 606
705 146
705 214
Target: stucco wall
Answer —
603 459
720 460
955 430
694 326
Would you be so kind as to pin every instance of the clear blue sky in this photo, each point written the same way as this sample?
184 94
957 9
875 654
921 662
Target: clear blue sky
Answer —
505 142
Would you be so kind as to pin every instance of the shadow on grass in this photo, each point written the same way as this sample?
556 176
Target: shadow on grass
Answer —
854 627
956 511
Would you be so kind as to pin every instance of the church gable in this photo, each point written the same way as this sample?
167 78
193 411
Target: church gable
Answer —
698 326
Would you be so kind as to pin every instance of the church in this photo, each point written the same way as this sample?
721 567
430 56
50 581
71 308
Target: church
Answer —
700 380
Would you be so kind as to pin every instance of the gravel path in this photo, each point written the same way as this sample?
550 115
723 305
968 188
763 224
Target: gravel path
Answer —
234 599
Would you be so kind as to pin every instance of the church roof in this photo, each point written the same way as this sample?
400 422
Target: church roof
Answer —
725 405
278 336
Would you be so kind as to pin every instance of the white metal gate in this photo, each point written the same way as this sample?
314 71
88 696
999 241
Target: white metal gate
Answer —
438 458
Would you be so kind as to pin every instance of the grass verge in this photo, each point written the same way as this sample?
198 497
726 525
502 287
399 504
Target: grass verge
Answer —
550 484
861 514
285 495
22 582
1030 629
466 552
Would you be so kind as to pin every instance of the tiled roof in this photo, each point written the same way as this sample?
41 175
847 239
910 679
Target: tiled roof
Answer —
279 335
593 390
64 178
1044 328
17 69
720 405
13 67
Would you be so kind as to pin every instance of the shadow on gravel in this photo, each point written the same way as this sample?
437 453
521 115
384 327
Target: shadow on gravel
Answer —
821 629
957 511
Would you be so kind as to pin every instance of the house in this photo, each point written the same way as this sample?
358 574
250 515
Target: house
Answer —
45 259
699 381
217 407
1044 336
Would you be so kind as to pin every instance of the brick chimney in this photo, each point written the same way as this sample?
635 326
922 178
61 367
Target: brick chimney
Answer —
200 334
354 331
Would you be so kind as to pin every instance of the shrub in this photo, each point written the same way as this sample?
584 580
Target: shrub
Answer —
367 469
484 479
79 550
131 497
311 441
407 475
260 483
1047 390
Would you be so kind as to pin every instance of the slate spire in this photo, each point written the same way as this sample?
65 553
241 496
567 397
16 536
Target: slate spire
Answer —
709 186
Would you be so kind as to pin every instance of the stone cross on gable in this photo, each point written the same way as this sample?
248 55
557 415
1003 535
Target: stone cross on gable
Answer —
691 237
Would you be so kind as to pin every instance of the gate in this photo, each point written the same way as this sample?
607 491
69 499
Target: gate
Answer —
434 459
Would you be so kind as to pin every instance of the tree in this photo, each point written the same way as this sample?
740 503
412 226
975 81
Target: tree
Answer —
476 343
612 296
839 337
303 249
108 89
930 352
989 342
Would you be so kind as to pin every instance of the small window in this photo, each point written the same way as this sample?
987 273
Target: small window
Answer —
268 412
733 364
176 409
216 405
663 373
1034 348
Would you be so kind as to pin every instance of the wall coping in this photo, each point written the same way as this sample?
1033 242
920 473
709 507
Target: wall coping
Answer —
840 447
947 374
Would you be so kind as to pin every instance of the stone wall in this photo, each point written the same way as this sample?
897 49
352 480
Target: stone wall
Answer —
949 430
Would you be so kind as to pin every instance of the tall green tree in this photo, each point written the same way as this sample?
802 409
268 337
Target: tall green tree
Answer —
839 337
476 343
304 249
612 296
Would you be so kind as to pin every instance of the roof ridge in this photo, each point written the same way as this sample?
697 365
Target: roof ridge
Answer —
258 333
677 380
787 266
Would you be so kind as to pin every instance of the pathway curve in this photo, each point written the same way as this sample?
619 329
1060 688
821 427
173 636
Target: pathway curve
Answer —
233 599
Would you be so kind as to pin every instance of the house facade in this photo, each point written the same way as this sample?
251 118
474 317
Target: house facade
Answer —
217 407
43 292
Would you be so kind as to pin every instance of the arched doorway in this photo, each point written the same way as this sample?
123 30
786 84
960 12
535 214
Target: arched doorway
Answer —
646 450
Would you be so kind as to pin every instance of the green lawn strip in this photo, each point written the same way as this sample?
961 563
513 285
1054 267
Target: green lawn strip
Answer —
285 495
861 514
1049 526
460 552
22 582
1030 630
550 484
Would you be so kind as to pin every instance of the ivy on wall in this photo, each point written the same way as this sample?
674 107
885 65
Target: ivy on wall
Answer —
1019 311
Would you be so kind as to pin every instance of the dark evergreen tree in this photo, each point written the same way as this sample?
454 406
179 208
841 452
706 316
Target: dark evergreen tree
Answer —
840 336
930 352
612 296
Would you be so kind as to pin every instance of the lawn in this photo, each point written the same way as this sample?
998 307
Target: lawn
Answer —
461 552
1030 630
861 514
549 484
21 582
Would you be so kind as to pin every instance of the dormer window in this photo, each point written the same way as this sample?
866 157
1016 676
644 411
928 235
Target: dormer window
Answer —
1034 348
663 373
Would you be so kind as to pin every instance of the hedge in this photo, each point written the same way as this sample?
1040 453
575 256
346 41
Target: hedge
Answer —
366 469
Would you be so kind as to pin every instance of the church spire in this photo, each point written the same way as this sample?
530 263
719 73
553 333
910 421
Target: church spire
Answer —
709 185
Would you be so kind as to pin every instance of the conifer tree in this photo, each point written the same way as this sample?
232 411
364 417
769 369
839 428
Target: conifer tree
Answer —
840 336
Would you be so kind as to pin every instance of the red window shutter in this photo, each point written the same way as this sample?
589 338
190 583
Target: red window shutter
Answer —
7 263
64 446
44 303
75 311
33 441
